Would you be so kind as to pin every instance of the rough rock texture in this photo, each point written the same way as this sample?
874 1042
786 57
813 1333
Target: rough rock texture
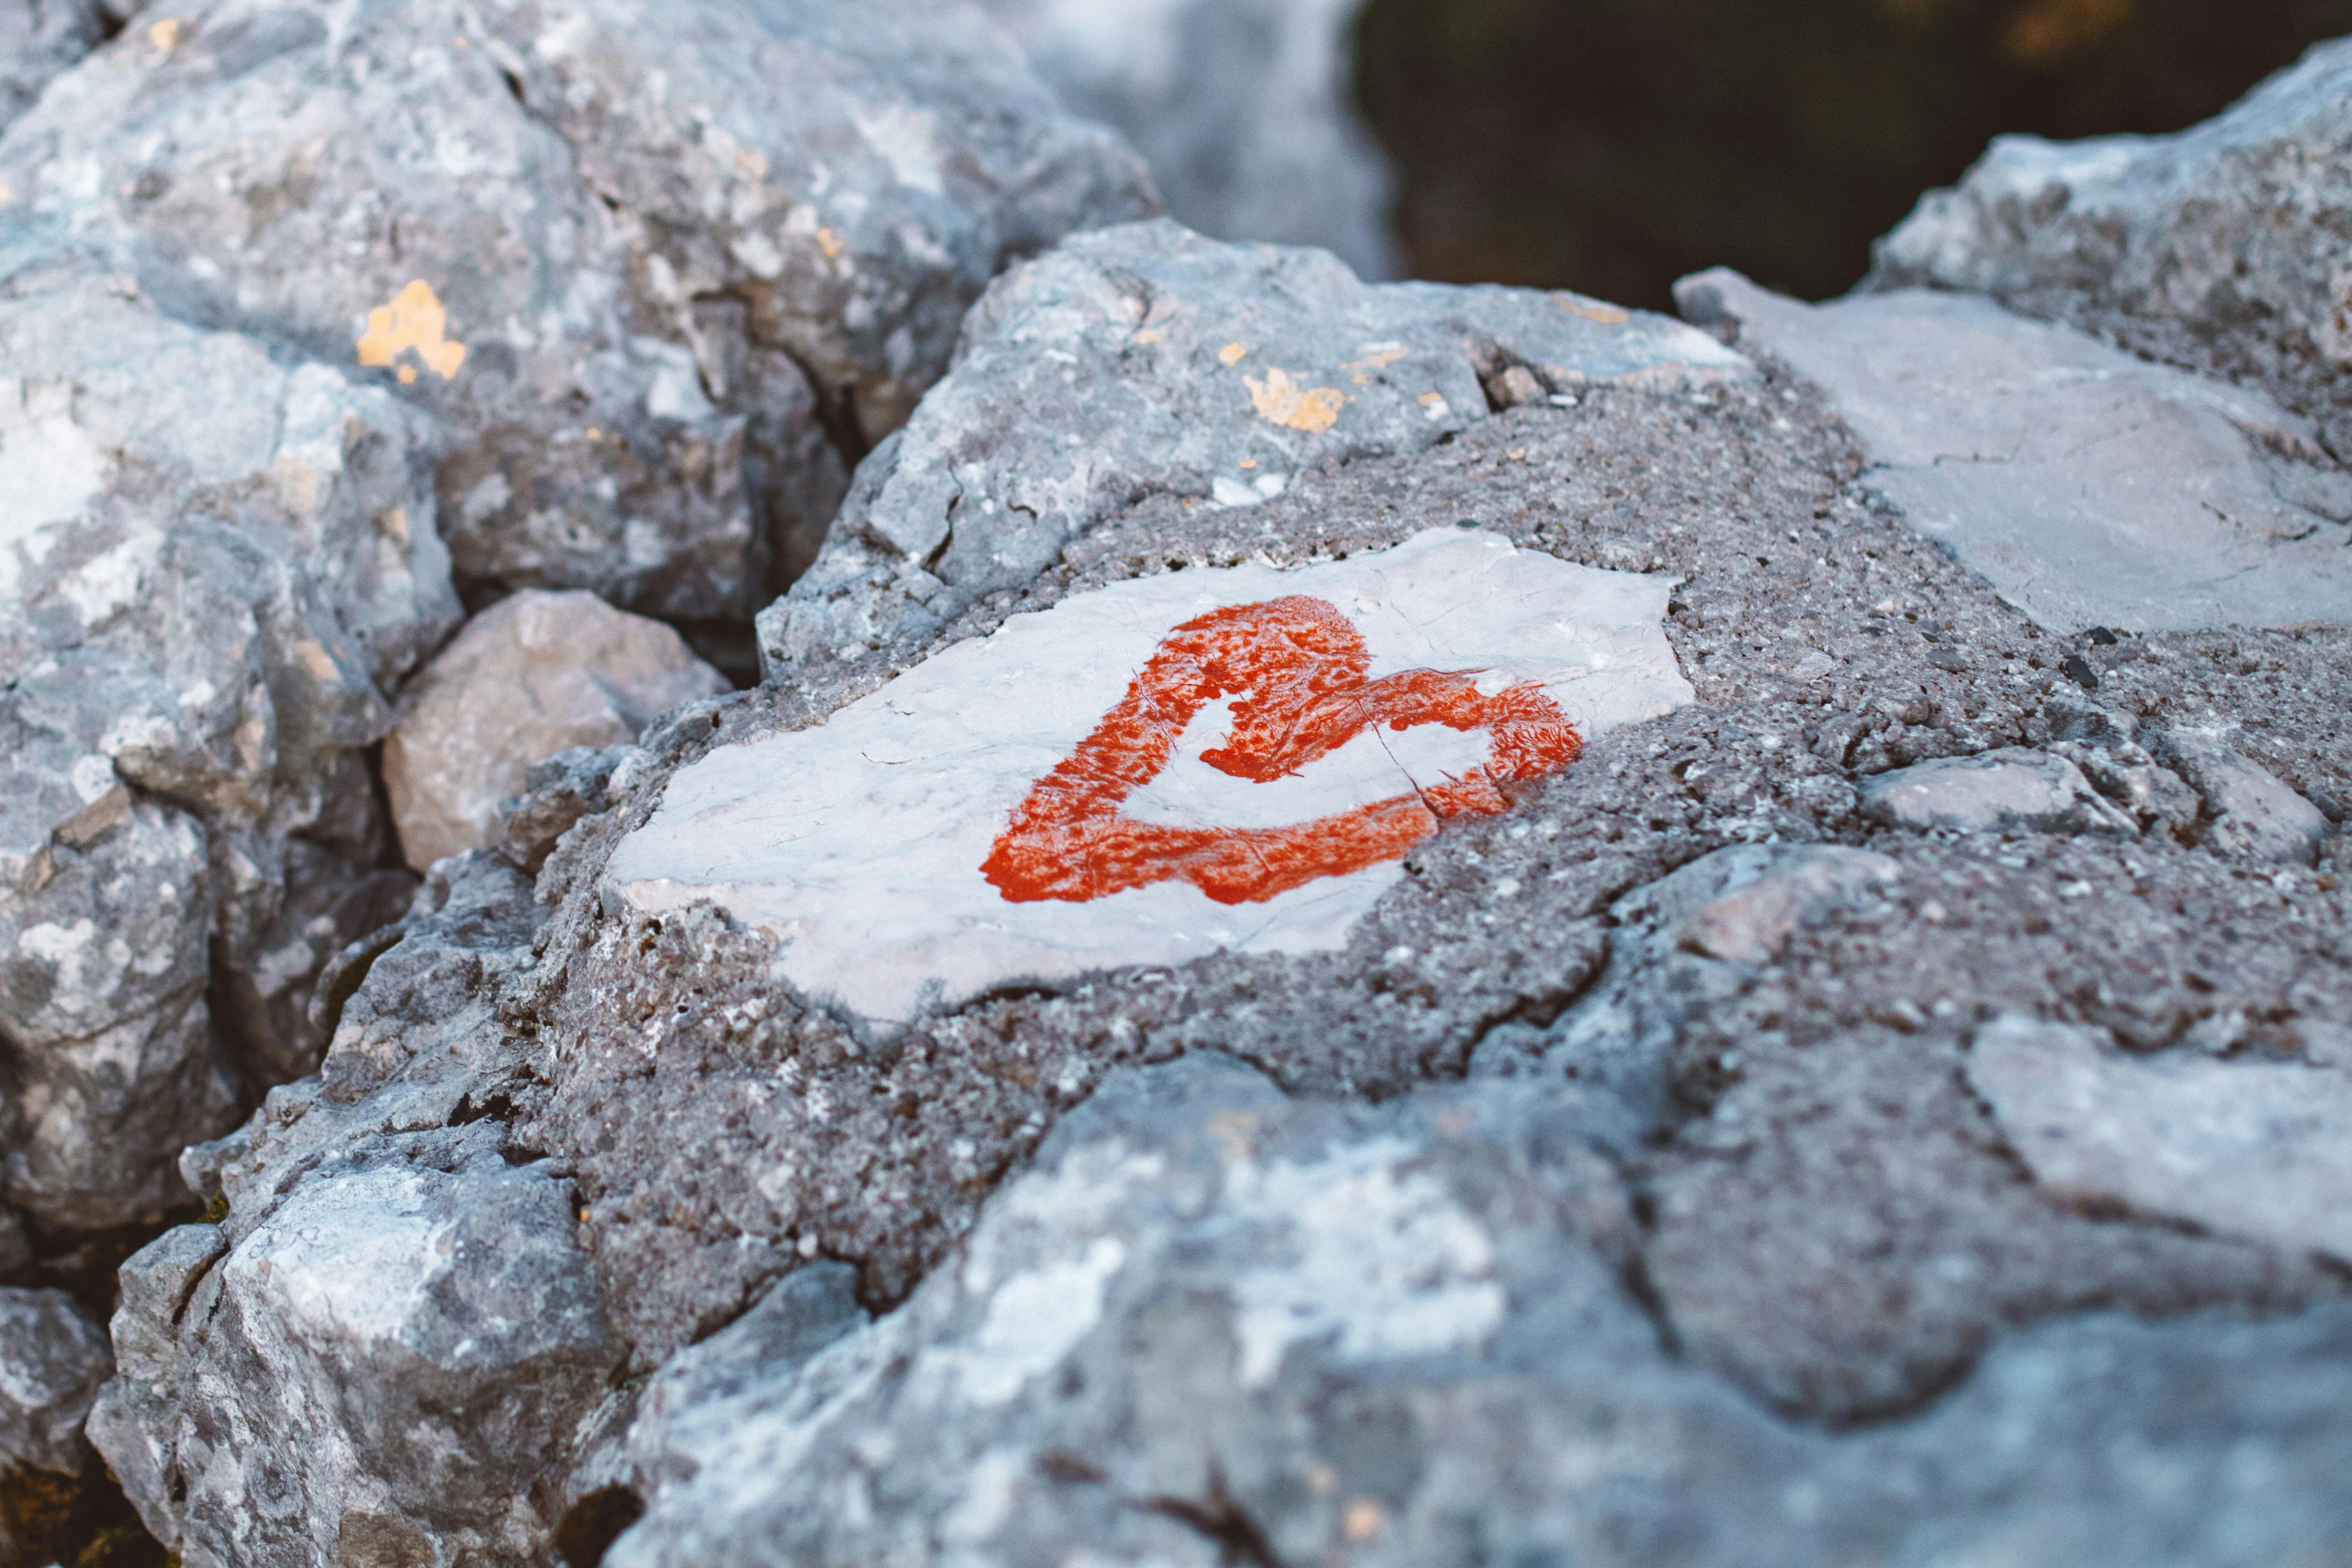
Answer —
2089 488
2220 248
1211 1325
40 39
52 1359
1145 361
213 569
1719 1193
1244 109
2010 789
628 252
535 674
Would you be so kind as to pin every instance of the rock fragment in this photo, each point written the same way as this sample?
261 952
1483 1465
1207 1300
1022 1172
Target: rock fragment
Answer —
535 674
1752 923
2250 1148
2090 487
1147 360
624 253
56 1358
2015 789
2251 813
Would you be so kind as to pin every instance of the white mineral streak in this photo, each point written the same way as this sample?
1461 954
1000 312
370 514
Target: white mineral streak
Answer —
857 843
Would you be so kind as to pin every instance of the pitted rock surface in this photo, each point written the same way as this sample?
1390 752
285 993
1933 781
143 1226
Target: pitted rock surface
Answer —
624 251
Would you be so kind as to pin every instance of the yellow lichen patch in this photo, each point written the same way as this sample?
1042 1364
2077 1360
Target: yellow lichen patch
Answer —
832 244
1431 400
415 321
1592 310
1284 401
1377 357
1146 337
165 34
1232 353
1249 462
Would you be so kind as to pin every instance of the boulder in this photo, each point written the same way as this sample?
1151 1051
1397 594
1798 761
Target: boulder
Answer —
2090 487
535 674
1244 109
628 253
1148 362
2013 790
215 567
2218 248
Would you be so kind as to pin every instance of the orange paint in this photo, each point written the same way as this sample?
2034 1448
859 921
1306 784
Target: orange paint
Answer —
1298 666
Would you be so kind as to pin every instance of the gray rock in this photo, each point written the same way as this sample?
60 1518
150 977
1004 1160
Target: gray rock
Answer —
2219 248
52 1359
214 570
559 791
2089 486
2128 773
622 251
2259 1149
1754 920
1148 360
39 40
1244 109
2013 790
2250 811
1210 1325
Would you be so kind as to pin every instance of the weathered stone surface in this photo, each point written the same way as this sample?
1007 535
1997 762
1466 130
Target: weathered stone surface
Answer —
2220 248
1244 109
52 1359
2248 1148
875 848
1148 360
2250 811
621 250
394 1321
1754 920
39 40
213 566
2089 486
535 674
2014 789
1212 1324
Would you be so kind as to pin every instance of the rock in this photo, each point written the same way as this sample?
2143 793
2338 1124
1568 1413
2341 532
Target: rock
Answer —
624 252
2128 773
37 42
1154 770
533 675
2251 813
1244 109
557 791
1145 361
1211 1323
56 1358
2259 1148
1752 923
2090 487
2013 790
216 566
2215 248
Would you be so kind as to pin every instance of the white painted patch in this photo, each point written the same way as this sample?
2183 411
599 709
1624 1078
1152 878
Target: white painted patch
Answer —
858 842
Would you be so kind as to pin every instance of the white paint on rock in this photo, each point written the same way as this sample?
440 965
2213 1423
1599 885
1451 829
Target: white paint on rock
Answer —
857 843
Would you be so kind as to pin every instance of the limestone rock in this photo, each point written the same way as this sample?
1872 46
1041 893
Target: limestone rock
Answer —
38 41
622 251
54 1359
2013 790
2219 248
2259 1149
1147 360
2089 486
535 674
938 838
213 566
2252 812
1244 109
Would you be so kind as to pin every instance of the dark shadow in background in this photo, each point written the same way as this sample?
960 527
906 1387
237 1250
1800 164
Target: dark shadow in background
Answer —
1612 145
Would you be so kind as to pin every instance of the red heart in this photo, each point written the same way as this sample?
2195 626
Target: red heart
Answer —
1301 666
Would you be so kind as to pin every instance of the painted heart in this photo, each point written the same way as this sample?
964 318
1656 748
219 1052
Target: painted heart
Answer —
1297 668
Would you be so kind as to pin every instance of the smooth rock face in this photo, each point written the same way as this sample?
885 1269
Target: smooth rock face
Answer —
2089 486
874 847
52 1359
2250 1148
39 40
212 567
535 674
1244 110
2012 790
1209 1316
1147 360
2219 247
621 250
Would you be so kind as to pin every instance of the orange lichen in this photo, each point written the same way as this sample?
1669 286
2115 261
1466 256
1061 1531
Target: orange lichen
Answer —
1232 353
165 34
832 244
1280 399
416 322
1298 666
1592 309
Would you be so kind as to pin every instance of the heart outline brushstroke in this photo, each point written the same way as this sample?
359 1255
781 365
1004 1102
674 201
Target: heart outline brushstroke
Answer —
1297 666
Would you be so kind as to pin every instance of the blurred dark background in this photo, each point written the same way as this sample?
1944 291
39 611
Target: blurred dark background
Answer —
1612 145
